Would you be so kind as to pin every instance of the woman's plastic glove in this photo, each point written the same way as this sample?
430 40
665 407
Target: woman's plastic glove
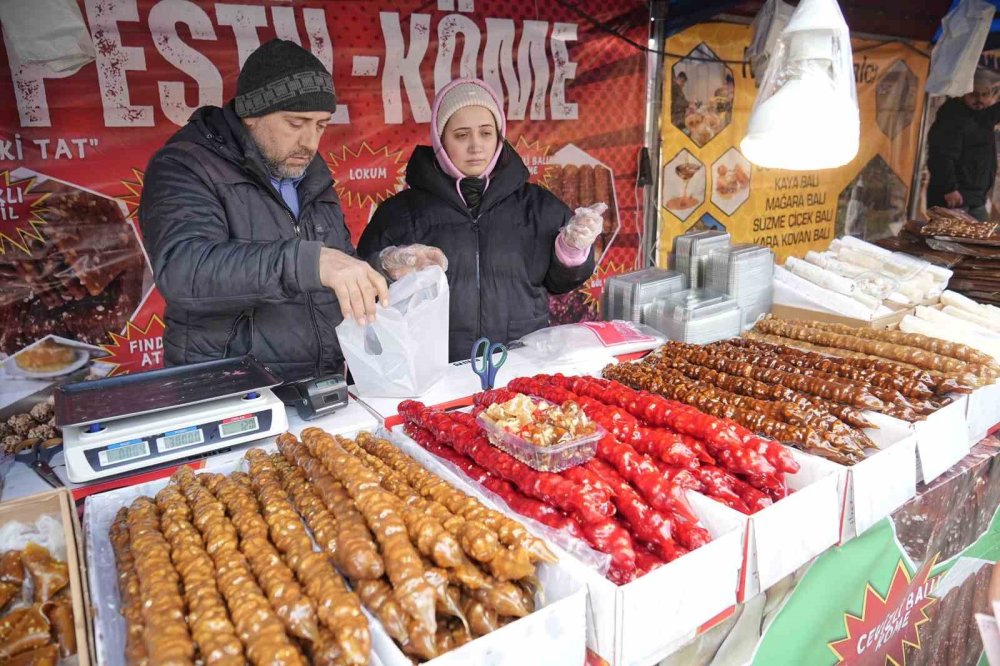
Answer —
585 226
399 260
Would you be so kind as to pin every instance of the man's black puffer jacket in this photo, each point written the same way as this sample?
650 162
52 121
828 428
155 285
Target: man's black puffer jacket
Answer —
501 259
238 272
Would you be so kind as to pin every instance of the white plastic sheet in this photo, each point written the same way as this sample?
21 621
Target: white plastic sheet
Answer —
956 55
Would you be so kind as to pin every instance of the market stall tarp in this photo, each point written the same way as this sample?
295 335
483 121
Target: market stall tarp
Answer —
706 183
73 146
905 592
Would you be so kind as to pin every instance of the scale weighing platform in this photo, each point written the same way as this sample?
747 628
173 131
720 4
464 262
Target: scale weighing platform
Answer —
122 424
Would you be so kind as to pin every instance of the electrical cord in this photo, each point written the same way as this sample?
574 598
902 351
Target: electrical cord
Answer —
604 27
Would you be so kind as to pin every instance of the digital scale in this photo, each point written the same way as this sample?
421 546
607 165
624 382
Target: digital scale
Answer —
121 424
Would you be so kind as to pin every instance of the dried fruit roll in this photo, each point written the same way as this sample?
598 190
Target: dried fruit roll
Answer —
936 381
128 589
165 634
402 561
506 564
645 378
774 362
317 517
828 390
260 629
953 350
426 532
887 350
208 618
893 399
482 620
510 532
336 607
277 581
804 359
602 192
357 554
477 540
377 597
587 185
446 595
375 594
811 412
571 186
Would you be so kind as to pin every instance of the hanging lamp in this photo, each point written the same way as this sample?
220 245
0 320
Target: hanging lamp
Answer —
806 113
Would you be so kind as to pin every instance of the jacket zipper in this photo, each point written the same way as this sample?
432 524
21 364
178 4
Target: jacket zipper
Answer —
312 312
479 286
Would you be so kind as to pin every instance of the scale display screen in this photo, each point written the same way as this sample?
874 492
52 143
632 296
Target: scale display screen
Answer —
119 453
238 426
177 439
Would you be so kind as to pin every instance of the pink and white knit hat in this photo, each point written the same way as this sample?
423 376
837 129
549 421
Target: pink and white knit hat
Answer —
459 94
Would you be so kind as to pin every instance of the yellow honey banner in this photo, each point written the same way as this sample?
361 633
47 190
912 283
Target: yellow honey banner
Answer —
706 183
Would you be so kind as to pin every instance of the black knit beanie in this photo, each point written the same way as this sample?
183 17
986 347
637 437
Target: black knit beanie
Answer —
283 76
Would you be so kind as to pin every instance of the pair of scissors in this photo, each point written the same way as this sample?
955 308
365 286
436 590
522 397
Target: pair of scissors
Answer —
487 371
36 454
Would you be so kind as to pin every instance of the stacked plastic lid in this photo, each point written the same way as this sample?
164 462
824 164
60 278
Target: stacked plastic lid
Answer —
746 273
628 296
691 252
698 316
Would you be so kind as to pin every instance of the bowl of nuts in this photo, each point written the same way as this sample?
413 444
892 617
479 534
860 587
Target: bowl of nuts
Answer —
542 435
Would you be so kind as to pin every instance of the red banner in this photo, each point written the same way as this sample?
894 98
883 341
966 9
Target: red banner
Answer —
73 145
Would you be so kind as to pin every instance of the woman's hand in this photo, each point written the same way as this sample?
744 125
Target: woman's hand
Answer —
398 261
585 226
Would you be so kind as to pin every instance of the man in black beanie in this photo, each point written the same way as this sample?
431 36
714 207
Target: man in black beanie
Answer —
245 231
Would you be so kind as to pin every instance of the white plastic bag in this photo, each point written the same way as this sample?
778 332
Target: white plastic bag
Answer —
405 351
956 55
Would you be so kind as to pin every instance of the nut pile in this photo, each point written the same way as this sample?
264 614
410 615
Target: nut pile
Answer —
21 429
541 423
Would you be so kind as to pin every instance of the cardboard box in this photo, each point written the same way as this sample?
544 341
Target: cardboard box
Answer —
983 412
801 314
942 438
789 533
555 632
882 482
59 504
643 621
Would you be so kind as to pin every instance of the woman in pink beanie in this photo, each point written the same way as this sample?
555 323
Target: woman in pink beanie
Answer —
508 243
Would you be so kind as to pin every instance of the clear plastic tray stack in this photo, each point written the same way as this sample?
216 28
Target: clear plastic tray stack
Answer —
697 316
691 253
746 273
629 296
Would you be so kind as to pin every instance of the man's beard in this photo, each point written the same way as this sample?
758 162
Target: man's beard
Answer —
282 170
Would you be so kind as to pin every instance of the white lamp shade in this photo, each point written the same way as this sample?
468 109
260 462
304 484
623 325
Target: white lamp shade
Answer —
805 125
806 114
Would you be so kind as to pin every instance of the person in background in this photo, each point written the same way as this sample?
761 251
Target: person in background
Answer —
244 229
508 243
678 100
961 150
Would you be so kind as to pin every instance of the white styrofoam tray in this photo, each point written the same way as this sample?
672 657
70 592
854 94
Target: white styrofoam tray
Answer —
556 632
640 622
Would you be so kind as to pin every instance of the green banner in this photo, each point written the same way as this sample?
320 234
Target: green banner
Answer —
904 593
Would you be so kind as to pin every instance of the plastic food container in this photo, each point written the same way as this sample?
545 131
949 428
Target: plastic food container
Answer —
554 458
